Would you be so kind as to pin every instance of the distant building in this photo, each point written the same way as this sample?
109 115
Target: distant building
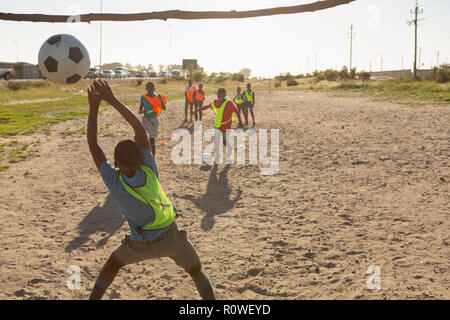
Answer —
23 70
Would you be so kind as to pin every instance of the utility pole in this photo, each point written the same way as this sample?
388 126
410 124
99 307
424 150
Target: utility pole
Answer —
381 61
315 61
370 66
437 52
420 57
307 65
351 45
416 13
170 50
101 11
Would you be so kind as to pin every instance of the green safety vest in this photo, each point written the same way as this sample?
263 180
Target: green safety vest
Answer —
219 113
249 97
238 101
153 194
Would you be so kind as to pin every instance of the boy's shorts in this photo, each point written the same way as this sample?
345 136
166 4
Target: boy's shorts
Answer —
174 245
248 105
151 125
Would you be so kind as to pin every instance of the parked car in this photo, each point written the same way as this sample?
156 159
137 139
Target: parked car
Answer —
163 74
141 74
175 73
125 71
119 74
6 73
94 73
108 74
152 74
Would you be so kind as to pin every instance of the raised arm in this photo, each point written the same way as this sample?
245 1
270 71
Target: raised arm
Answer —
97 153
202 108
105 93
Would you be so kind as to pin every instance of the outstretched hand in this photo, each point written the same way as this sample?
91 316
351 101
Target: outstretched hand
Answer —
93 97
104 90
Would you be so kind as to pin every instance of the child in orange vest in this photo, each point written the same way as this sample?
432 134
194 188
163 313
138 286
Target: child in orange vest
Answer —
189 94
199 98
151 106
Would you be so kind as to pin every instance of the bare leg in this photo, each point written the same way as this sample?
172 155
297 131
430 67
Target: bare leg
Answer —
106 277
246 116
186 111
152 145
253 116
196 108
203 284
239 116
200 112
191 105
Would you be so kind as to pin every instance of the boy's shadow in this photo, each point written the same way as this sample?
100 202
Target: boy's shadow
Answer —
217 199
107 219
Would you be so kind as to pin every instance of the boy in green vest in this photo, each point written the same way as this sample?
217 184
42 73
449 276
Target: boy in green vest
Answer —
249 96
239 101
134 183
224 110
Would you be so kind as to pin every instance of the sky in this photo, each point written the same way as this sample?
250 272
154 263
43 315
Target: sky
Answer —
295 43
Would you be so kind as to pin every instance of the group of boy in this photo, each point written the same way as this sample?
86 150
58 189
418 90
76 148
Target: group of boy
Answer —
152 104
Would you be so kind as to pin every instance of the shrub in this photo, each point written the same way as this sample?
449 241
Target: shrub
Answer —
221 77
352 73
364 76
331 75
163 80
178 78
198 75
318 75
139 82
14 86
238 77
291 82
277 84
349 85
440 74
283 76
343 74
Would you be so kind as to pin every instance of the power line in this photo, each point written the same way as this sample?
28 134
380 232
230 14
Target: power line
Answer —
437 15
432 4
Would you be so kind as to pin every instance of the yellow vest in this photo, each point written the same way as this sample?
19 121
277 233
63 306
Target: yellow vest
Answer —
152 194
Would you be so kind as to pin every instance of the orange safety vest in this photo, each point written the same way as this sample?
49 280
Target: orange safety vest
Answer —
155 102
190 94
199 96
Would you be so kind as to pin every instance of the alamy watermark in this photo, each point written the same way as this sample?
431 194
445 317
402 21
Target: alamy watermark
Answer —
374 280
74 281
256 140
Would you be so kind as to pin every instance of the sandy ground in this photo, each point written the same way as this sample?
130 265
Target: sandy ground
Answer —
360 183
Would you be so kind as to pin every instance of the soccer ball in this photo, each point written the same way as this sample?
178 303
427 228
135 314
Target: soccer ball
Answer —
63 59
207 158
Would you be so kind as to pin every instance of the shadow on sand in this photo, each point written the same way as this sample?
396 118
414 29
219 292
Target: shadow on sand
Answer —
217 199
107 218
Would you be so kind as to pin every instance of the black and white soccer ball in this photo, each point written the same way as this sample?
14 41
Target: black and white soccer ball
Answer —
63 59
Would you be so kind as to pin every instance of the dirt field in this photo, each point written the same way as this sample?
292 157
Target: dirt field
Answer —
360 183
